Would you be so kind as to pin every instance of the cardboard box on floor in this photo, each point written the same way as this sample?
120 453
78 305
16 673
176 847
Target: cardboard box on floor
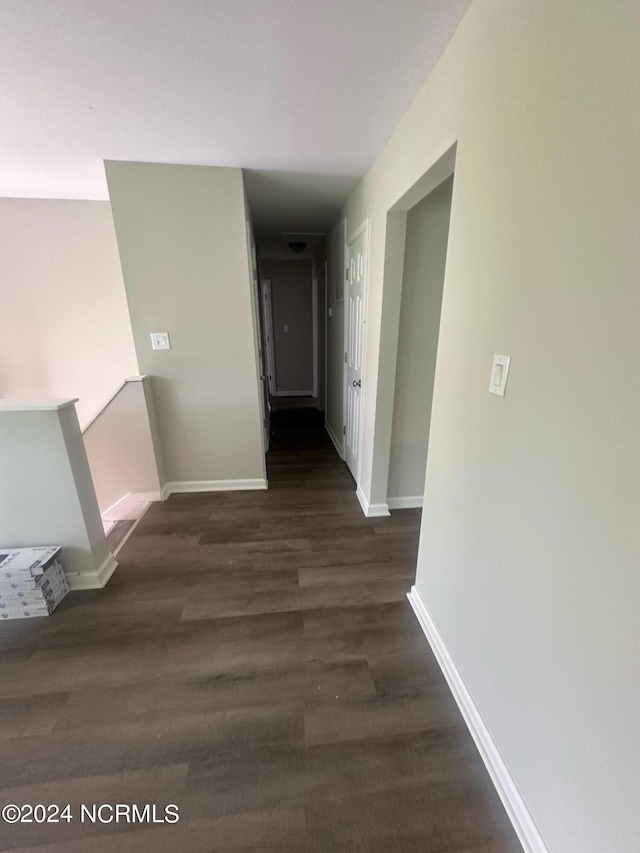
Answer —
32 581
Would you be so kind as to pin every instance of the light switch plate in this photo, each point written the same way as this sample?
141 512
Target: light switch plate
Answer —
499 374
160 340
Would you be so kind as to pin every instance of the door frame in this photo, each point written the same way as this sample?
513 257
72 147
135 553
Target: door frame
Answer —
267 322
349 239
322 268
254 288
314 330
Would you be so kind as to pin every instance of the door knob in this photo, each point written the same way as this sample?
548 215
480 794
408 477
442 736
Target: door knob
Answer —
357 383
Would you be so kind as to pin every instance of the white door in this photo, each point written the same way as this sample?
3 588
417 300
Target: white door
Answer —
355 287
267 325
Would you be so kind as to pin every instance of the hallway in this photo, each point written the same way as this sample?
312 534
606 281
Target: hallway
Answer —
253 660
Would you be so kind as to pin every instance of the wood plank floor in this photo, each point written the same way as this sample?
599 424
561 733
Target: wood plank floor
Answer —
253 660
118 533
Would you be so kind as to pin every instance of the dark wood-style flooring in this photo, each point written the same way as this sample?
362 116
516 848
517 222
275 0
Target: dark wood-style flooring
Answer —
118 532
253 660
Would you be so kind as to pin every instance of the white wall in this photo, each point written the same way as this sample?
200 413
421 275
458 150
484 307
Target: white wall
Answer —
65 324
530 546
292 307
425 254
183 246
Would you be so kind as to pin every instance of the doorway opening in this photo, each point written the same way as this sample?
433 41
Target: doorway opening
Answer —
425 252
287 291
293 318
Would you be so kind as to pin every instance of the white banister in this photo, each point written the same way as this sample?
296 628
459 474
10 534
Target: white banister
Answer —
46 491
124 452
112 397
8 405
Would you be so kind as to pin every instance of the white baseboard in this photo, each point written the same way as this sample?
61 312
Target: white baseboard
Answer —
93 580
149 497
122 542
517 811
338 446
371 510
188 486
110 511
107 525
119 511
414 502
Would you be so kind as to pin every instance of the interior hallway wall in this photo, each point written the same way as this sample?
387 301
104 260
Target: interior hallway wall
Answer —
183 247
292 308
530 543
65 325
422 283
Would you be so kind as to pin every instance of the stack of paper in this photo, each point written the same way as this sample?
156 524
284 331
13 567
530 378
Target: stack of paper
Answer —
32 581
